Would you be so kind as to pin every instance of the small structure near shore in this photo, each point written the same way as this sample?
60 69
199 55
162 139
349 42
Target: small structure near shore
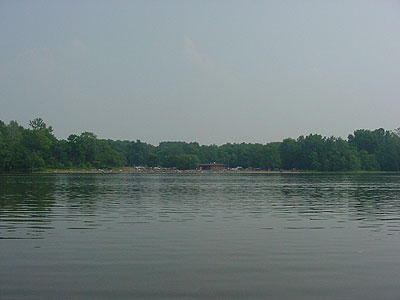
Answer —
212 167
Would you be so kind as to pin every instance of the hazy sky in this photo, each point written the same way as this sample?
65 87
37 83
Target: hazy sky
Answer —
205 71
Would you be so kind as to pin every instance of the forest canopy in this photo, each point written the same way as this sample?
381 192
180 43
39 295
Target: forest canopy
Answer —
36 148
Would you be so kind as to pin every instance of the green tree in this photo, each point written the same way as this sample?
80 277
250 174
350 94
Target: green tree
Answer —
289 153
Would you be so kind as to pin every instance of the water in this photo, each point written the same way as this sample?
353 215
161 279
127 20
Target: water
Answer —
200 236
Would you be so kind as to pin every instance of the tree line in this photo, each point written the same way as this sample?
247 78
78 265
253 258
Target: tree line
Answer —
36 148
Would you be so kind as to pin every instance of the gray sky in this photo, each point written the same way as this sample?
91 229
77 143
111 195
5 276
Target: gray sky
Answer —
205 71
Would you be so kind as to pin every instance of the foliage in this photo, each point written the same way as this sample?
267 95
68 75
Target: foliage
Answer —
36 148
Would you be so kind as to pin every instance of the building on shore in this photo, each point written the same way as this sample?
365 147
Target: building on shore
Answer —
212 167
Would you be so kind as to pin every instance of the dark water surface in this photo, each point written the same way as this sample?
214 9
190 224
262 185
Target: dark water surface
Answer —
200 236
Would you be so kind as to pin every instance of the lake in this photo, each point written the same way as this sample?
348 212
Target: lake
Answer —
200 236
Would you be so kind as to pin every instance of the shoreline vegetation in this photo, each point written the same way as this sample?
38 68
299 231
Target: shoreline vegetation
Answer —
162 171
126 170
36 149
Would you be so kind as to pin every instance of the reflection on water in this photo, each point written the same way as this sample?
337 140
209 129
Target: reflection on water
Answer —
200 236
25 205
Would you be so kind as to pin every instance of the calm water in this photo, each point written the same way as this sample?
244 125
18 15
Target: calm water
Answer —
199 236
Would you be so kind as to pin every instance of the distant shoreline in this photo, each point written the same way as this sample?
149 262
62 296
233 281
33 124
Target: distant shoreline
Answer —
162 171
36 149
197 171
